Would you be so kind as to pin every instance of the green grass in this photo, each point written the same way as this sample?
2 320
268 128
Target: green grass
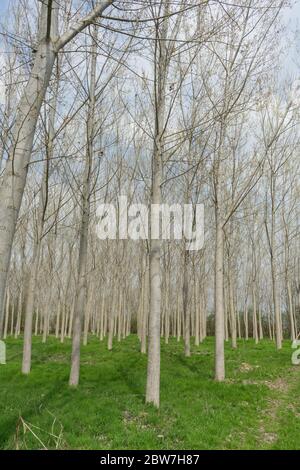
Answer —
258 406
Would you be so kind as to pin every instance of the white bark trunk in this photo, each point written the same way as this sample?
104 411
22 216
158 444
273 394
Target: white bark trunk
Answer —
219 302
81 291
14 177
153 369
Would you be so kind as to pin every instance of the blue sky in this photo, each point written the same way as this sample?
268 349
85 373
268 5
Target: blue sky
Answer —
291 16
3 5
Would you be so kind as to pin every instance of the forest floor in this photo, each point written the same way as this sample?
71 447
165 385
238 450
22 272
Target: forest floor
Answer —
257 407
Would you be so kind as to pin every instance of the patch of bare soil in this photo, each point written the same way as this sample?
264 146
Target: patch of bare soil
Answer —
245 367
58 358
278 384
267 437
137 420
282 386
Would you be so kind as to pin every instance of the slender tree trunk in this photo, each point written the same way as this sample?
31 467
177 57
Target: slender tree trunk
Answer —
6 314
63 323
226 332
246 323
178 312
254 313
19 314
198 315
110 331
274 273
232 312
36 322
291 311
12 321
57 319
260 327
275 291
153 367
33 277
269 326
167 310
26 362
46 323
219 302
102 314
81 290
145 311
186 310
153 370
120 316
87 318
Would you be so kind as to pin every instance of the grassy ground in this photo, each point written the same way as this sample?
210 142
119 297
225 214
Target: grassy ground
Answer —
257 407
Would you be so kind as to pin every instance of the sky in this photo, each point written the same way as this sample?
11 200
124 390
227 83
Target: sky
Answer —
291 18
3 5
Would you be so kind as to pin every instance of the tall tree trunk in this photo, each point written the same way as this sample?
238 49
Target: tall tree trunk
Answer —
19 314
274 271
219 302
291 311
145 310
15 173
12 320
186 309
63 323
153 367
260 326
198 315
57 319
6 314
246 324
232 310
275 292
178 317
33 276
81 290
254 313
14 177
26 362
36 322
153 370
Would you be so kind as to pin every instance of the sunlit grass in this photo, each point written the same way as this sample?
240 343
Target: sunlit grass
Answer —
257 407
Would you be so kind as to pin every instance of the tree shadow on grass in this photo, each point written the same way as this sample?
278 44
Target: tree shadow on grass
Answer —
201 369
129 375
9 426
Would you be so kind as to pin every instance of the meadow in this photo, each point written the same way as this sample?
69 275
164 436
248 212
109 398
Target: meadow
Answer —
257 407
